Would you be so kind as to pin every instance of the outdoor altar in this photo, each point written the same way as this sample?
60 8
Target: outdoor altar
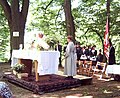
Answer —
45 59
37 51
46 62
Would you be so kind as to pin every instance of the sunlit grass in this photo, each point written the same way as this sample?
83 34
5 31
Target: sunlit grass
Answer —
79 97
107 92
118 87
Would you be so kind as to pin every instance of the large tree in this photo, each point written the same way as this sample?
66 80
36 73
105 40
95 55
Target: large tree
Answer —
70 27
16 12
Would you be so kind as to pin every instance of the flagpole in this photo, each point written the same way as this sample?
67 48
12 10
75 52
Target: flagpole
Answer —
106 41
108 14
108 27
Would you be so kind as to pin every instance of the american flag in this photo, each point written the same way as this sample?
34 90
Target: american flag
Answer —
106 41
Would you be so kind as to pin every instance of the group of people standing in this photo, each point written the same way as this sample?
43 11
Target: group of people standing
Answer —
74 52
86 51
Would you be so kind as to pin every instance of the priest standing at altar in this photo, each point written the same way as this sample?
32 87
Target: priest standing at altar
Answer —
39 43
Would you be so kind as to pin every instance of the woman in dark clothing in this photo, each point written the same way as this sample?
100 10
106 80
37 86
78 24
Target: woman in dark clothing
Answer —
99 56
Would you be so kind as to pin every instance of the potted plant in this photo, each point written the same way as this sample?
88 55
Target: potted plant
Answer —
18 68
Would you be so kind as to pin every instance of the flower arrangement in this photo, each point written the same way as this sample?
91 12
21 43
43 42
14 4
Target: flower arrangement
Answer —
18 67
51 41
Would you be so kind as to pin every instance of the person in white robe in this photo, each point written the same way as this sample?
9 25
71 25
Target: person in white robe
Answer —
39 43
70 59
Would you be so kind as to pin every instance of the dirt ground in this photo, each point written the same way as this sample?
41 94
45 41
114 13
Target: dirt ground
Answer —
105 88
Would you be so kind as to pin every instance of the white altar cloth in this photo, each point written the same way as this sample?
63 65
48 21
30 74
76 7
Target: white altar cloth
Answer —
113 69
47 60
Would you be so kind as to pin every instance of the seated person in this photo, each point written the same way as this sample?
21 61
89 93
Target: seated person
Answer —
5 91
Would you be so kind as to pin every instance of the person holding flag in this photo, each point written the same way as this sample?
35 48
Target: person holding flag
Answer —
109 50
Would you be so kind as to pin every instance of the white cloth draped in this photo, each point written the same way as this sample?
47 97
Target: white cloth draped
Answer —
47 60
113 69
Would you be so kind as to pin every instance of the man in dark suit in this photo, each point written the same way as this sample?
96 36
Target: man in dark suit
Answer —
111 54
78 51
58 47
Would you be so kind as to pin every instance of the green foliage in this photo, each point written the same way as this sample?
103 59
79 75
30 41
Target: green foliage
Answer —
18 67
48 19
4 38
52 41
89 18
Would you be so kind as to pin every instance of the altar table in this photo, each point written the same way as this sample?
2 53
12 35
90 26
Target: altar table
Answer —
46 62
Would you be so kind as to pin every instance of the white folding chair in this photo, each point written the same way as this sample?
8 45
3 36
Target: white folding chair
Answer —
99 69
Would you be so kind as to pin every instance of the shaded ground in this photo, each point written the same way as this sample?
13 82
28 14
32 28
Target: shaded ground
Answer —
99 89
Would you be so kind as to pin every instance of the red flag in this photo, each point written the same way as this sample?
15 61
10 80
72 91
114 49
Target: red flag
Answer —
106 41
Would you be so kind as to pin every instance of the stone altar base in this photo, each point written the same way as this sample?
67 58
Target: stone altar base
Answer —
48 83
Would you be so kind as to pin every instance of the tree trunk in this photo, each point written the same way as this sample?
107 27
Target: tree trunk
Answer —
70 28
16 17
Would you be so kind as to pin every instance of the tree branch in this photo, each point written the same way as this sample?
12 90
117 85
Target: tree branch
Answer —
86 30
15 8
58 15
98 34
86 33
25 7
49 4
7 9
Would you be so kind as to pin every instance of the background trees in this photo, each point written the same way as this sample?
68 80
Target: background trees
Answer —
89 18
4 37
15 12
69 19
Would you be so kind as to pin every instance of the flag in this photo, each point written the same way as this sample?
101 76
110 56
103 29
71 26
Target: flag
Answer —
106 41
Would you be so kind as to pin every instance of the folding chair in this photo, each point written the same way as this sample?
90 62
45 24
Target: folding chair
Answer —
80 67
87 67
99 69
